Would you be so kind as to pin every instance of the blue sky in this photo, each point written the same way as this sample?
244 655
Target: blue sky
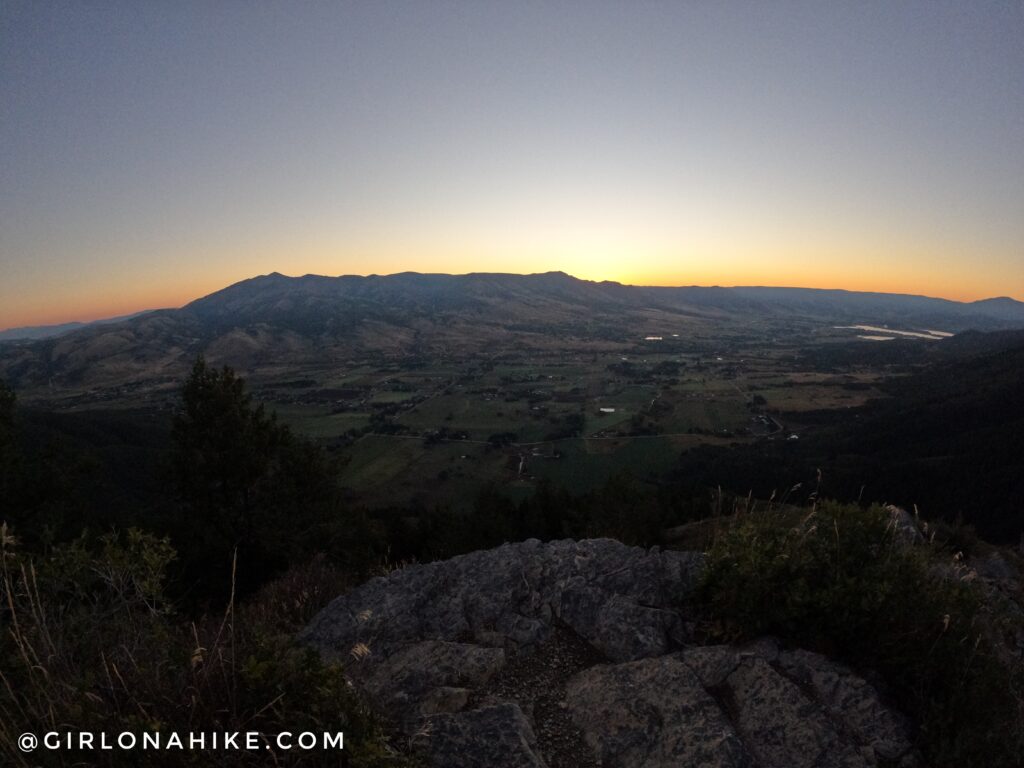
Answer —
152 152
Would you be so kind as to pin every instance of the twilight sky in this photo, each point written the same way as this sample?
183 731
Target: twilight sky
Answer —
151 152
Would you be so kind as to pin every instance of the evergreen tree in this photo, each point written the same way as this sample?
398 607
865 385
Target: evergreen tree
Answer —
244 482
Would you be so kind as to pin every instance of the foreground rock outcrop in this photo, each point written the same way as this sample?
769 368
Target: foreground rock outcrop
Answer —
576 654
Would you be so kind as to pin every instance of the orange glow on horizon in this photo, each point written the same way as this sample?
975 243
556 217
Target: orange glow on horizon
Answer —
112 302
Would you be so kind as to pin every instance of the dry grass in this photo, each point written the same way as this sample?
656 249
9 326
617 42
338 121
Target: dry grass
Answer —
89 644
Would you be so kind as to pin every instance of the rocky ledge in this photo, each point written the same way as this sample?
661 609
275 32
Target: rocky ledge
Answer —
576 654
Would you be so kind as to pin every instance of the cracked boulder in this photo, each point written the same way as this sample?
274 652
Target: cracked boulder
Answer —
620 599
726 707
575 654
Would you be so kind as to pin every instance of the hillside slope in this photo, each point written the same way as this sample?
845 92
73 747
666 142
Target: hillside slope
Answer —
948 438
273 321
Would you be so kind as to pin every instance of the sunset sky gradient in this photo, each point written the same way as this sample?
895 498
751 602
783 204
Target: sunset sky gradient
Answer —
153 152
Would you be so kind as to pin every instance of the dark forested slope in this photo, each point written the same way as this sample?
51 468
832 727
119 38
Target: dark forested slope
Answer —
949 438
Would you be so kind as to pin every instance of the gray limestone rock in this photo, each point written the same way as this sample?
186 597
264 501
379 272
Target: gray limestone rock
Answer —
904 525
407 677
576 654
720 706
850 701
497 737
653 713
618 598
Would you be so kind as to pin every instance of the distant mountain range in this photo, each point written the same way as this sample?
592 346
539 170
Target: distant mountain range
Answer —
275 323
36 332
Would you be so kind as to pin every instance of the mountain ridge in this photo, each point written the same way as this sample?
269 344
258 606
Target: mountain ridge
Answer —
274 321
51 330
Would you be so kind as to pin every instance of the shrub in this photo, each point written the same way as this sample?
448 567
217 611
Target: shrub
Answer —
91 644
840 580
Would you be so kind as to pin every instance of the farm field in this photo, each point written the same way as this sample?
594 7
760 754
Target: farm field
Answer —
437 433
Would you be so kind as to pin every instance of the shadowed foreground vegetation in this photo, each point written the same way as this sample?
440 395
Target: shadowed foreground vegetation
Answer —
189 625
91 643
845 581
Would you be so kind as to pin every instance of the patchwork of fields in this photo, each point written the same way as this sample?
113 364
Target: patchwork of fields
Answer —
434 434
